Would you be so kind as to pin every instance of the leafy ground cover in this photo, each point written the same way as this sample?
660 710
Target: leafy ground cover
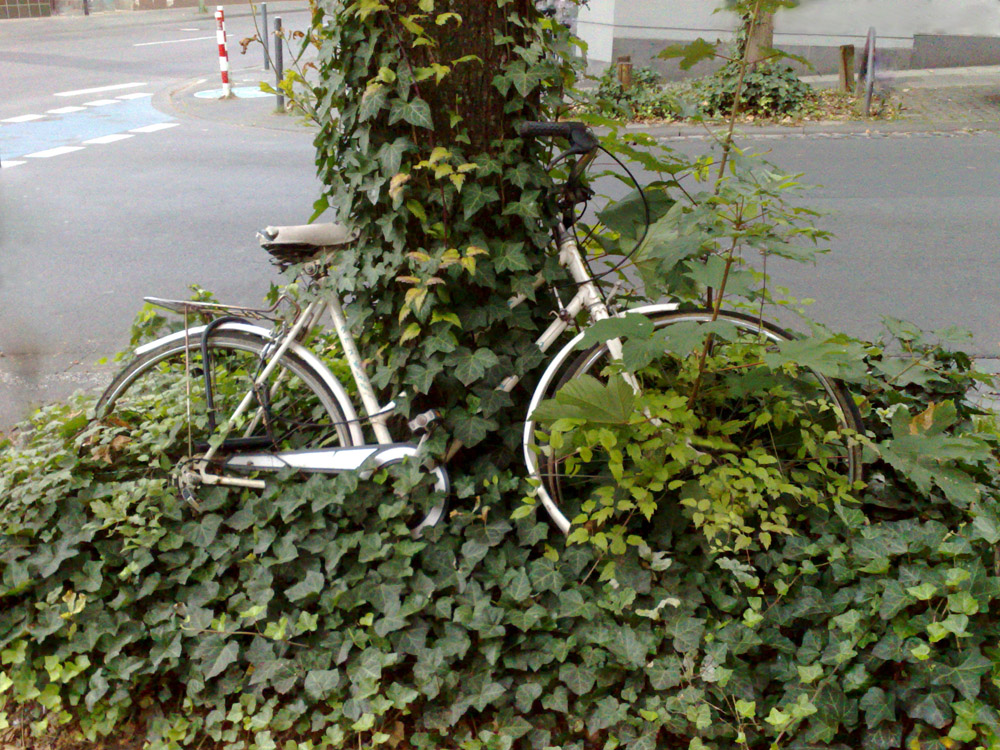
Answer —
776 96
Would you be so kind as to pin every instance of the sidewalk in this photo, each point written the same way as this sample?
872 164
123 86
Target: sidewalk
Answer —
943 100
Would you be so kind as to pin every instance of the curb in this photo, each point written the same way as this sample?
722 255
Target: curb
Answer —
918 120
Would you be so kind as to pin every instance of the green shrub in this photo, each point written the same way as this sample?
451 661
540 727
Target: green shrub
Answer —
645 99
769 90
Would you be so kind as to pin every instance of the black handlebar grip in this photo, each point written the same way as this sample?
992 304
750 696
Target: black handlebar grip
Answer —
547 129
581 139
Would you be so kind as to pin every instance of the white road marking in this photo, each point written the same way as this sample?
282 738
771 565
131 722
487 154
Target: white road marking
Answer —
23 118
81 92
190 29
154 128
6 164
65 110
107 139
175 41
48 153
134 96
102 102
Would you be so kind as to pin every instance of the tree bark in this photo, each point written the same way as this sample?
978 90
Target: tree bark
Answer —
762 38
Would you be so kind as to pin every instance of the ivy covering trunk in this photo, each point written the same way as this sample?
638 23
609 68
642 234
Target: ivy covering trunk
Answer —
418 151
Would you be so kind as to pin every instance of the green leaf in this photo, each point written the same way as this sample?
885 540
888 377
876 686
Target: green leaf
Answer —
834 357
202 533
628 216
966 675
886 736
319 683
963 603
527 693
688 632
894 599
691 54
923 592
809 674
416 112
585 397
475 197
934 708
216 655
577 678
312 584
469 366
878 706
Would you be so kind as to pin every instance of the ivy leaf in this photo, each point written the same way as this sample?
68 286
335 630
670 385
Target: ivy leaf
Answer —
687 634
470 428
319 683
216 654
469 366
372 102
885 737
664 673
578 679
607 712
475 197
312 584
390 156
894 599
416 112
201 533
986 523
878 707
966 675
934 708
517 586
526 695
630 647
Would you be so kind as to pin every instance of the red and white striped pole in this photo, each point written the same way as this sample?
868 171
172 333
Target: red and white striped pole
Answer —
220 34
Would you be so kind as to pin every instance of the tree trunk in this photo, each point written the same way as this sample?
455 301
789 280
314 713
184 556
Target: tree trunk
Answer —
761 40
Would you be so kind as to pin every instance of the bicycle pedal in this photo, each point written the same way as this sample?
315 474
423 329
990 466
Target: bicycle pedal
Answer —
421 422
188 496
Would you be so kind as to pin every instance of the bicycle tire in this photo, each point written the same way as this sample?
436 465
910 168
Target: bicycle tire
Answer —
557 484
302 413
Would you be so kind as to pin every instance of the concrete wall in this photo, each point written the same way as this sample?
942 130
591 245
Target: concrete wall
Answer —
912 33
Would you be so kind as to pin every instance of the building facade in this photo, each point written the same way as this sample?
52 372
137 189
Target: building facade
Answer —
911 33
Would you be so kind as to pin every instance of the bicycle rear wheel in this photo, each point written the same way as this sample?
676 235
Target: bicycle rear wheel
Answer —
163 393
809 433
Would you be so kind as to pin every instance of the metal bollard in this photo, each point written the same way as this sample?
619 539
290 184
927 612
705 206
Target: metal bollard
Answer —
279 65
267 46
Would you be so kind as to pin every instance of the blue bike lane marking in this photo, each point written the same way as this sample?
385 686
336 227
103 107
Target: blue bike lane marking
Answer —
71 128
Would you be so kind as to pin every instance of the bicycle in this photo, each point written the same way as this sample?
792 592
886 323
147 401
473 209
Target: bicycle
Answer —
259 377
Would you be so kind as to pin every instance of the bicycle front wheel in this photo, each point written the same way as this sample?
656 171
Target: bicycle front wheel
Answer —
796 420
163 393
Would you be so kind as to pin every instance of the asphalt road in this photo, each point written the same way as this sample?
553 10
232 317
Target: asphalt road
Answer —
160 198
85 234
916 224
